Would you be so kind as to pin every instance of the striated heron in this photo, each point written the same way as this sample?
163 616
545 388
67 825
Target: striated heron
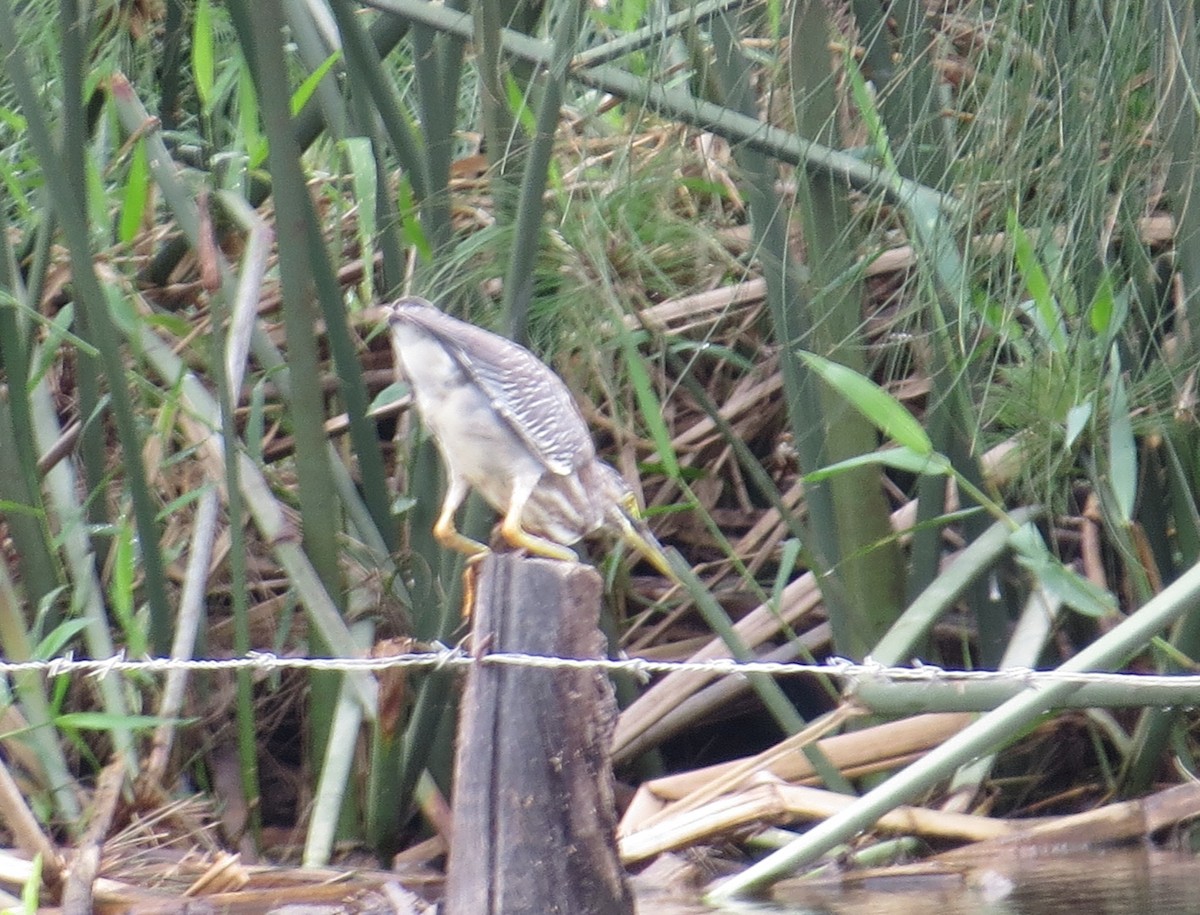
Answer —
507 427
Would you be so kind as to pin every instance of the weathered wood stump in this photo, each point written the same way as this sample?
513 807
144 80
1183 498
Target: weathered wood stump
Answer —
534 820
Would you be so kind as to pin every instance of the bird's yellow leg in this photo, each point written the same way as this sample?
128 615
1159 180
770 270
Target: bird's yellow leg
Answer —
444 530
448 536
513 533
538 546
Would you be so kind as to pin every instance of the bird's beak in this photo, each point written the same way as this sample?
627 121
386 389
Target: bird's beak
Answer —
636 535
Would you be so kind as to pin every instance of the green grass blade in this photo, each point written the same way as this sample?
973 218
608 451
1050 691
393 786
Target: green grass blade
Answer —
1122 447
886 413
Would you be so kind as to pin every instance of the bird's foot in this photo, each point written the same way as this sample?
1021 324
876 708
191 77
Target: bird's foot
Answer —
445 533
519 538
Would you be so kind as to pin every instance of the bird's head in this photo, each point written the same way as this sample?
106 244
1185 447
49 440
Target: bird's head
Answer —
623 518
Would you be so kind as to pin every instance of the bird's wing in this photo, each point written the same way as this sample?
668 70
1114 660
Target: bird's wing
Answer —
534 401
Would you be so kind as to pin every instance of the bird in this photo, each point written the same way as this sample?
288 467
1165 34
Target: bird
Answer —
508 427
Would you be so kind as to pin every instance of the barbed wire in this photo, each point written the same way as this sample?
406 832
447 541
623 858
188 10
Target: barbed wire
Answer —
444 657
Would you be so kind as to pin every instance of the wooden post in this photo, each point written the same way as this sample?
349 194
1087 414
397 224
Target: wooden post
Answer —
534 820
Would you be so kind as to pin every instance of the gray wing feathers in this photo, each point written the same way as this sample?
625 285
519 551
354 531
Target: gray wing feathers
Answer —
532 399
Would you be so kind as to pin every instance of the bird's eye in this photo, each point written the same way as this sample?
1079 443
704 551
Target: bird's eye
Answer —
629 503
